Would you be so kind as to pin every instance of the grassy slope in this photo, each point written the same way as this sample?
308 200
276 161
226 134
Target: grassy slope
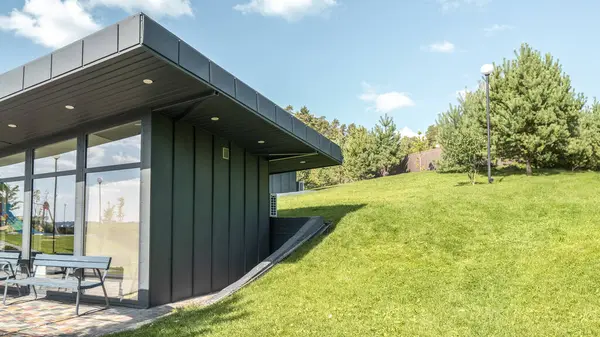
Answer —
419 254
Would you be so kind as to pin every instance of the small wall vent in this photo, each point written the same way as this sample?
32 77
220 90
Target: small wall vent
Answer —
226 153
273 205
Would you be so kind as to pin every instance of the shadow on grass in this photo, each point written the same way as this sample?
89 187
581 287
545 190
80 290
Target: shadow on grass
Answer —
193 321
516 171
468 183
333 214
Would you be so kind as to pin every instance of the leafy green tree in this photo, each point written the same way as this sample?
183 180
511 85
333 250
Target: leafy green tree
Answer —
336 132
120 209
534 108
584 148
108 215
387 145
420 144
432 135
10 195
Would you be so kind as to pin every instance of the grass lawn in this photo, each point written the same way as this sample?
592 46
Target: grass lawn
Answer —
64 244
425 254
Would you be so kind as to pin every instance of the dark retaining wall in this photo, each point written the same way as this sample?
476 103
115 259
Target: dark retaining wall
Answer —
282 229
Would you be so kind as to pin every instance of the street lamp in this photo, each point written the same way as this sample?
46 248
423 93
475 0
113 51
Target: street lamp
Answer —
99 180
486 70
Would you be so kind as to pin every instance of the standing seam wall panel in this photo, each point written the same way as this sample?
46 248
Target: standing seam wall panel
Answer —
251 211
264 246
220 242
203 213
236 214
183 211
209 217
161 209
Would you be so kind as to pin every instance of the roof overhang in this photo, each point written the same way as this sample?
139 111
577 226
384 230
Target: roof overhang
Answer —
103 75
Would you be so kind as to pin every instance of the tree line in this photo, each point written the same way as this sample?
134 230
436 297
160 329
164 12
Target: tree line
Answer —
368 153
538 120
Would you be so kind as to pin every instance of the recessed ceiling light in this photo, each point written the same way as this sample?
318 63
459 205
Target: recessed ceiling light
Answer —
12 126
261 142
148 81
303 162
138 124
214 118
69 107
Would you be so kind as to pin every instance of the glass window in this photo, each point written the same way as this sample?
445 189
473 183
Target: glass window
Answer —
11 216
12 166
56 157
53 215
112 227
119 145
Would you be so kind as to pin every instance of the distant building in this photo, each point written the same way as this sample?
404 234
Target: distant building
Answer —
428 162
285 183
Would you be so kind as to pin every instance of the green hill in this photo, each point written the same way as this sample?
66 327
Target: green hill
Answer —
426 254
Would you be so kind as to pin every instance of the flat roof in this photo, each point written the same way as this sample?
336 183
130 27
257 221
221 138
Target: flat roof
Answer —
103 75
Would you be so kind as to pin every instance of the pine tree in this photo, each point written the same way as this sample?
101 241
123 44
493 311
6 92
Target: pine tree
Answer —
584 148
358 154
534 108
387 145
462 138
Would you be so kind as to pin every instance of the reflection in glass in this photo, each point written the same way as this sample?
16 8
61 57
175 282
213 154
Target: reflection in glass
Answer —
53 215
12 166
112 226
119 145
11 216
56 157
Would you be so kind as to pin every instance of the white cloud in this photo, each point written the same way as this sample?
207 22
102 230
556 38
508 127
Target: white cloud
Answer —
407 132
156 8
386 102
56 23
291 10
496 28
448 5
441 47
52 23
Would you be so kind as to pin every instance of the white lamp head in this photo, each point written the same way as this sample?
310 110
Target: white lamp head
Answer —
487 69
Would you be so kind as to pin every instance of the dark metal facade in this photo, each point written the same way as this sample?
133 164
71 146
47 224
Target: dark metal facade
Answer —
209 215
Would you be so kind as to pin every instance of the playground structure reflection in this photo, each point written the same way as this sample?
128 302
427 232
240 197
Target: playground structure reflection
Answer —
11 215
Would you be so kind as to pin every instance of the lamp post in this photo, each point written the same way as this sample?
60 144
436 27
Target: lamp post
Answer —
54 205
99 199
486 70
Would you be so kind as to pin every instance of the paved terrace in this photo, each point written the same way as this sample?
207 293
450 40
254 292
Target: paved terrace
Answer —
24 316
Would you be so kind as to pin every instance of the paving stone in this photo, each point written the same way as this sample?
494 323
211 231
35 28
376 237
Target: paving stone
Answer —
25 316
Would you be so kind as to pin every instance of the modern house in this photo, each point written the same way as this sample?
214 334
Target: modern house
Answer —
130 143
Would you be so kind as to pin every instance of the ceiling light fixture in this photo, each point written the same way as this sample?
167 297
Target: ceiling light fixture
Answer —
303 162
12 126
261 142
69 107
214 119
148 81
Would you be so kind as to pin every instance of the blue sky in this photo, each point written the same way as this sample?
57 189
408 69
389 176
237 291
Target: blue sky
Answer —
349 59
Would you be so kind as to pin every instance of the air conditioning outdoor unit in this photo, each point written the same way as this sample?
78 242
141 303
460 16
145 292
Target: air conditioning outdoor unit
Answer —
273 205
